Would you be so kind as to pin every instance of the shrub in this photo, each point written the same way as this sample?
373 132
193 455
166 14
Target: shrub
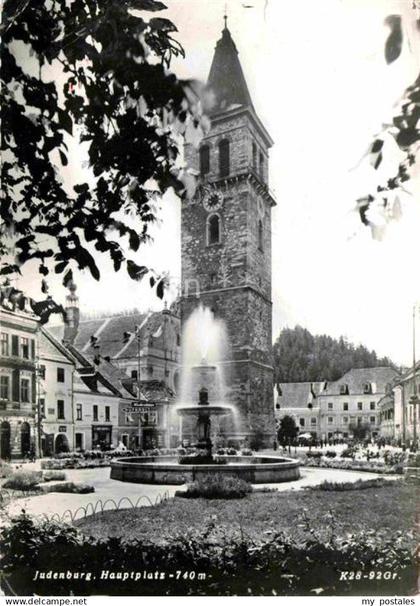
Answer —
23 480
348 453
221 451
246 452
232 451
217 486
359 484
281 565
314 454
6 470
72 487
49 476
331 454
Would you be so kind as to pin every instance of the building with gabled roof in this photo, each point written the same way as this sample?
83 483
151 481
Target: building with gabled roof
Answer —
353 400
79 402
299 400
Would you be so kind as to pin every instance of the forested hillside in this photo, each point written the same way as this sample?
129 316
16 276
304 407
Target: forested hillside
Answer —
301 356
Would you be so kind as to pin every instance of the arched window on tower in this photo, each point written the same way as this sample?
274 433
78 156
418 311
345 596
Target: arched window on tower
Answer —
224 158
260 235
213 229
204 160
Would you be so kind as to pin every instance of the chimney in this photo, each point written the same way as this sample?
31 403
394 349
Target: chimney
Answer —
71 325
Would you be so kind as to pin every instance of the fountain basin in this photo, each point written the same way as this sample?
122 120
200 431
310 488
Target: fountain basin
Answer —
166 469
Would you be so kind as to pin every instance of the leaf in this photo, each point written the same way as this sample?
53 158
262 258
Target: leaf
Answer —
136 272
65 120
377 162
146 5
63 158
43 269
44 286
152 281
134 240
394 42
68 278
160 288
60 267
376 146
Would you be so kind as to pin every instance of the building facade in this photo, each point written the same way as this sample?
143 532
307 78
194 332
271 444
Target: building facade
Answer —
55 386
336 409
353 401
18 419
399 414
299 400
226 240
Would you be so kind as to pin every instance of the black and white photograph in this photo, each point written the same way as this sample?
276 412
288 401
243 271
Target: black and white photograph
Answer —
210 299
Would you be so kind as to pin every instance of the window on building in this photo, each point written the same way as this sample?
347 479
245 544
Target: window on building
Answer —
24 390
4 340
254 155
107 413
79 412
345 420
302 422
260 235
42 371
41 402
345 405
213 229
178 339
367 388
150 370
204 160
344 389
313 420
277 406
60 409
330 420
134 374
224 158
261 171
373 420
359 420
95 412
330 406
24 344
15 345
4 387
372 406
359 405
60 375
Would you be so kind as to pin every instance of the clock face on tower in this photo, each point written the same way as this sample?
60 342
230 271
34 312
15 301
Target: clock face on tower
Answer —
213 200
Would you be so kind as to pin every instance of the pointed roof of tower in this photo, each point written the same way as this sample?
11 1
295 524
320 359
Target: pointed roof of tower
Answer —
226 80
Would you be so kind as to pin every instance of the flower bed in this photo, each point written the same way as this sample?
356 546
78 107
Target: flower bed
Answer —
71 463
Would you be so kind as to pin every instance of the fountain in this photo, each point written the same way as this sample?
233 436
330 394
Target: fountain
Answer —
204 345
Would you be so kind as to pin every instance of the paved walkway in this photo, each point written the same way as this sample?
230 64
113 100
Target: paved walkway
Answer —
114 491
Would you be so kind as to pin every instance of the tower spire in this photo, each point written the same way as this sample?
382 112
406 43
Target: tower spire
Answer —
226 80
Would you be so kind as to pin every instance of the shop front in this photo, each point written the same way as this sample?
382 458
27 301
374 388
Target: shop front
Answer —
101 437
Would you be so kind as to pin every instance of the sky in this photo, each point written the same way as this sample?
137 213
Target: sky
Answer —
320 84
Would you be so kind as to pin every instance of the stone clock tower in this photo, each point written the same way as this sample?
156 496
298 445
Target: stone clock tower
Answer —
226 241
